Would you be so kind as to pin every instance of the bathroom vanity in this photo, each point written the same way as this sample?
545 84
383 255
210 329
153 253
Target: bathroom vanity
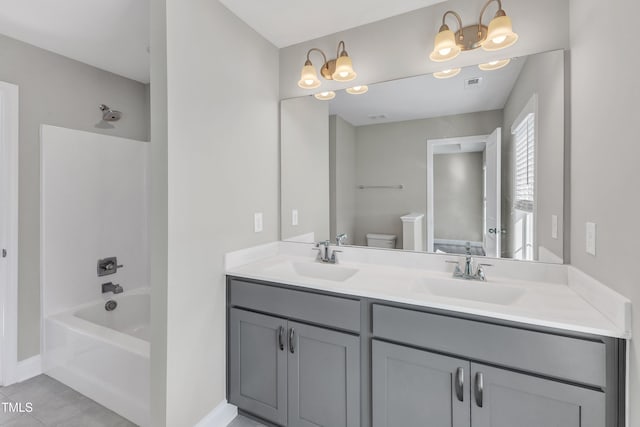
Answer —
337 350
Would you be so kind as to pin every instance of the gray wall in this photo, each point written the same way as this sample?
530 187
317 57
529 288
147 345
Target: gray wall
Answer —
396 153
399 46
57 91
342 177
542 74
457 196
605 153
222 162
304 153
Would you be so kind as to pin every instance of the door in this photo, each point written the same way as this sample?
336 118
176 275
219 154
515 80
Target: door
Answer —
324 377
504 398
492 233
258 364
414 388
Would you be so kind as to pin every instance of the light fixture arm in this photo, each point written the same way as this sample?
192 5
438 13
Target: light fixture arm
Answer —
451 12
342 52
484 8
308 62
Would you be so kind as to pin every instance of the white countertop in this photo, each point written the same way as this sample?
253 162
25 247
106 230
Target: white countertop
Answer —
548 303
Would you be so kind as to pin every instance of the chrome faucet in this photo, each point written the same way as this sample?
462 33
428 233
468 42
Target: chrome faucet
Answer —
111 287
468 273
325 254
340 238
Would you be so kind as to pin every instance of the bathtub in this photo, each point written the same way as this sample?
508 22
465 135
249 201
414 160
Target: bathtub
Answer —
104 354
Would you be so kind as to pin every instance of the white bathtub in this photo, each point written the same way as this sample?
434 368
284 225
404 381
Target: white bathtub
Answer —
104 354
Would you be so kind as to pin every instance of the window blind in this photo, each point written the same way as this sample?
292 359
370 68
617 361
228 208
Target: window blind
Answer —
525 164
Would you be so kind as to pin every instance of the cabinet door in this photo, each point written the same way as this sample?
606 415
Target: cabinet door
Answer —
504 398
324 377
414 388
258 364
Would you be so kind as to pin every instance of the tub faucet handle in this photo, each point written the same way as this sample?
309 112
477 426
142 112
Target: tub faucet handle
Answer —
111 287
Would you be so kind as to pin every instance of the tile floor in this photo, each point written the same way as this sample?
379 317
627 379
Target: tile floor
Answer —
241 421
55 404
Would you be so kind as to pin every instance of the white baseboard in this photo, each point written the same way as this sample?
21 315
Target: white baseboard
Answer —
28 368
221 416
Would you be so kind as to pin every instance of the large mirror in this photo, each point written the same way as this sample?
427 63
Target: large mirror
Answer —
472 163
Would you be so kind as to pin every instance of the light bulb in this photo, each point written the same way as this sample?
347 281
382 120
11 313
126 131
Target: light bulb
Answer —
309 82
445 51
500 39
448 73
343 74
325 96
358 90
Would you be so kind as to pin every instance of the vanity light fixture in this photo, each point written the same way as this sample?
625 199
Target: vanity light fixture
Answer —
339 69
325 96
498 35
358 90
494 65
445 74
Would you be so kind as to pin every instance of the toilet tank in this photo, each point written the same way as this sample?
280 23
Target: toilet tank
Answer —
382 240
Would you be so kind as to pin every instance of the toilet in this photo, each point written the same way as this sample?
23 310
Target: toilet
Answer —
382 240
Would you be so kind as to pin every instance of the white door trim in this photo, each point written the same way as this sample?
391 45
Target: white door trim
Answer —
9 124
431 145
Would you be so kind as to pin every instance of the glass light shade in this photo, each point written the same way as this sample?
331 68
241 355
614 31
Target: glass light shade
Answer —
344 70
494 65
444 47
325 96
308 77
358 90
445 74
500 34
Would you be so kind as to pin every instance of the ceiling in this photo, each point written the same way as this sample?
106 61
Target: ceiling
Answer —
112 35
425 96
288 22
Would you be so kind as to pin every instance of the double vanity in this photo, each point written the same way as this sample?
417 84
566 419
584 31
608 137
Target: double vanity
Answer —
389 339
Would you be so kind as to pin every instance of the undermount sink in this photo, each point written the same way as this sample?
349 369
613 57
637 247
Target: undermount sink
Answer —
314 270
471 291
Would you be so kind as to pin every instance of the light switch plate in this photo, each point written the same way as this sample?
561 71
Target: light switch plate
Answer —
257 222
294 217
591 238
554 226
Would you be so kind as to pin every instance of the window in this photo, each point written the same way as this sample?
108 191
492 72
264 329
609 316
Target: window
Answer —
524 181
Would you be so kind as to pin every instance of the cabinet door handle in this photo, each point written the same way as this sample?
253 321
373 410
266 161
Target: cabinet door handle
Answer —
281 337
292 338
460 384
479 389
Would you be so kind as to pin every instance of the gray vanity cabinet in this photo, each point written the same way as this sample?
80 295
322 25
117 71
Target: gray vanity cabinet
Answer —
324 377
289 372
416 388
503 398
258 364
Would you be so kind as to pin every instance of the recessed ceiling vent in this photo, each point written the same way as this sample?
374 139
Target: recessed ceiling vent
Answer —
473 83
377 116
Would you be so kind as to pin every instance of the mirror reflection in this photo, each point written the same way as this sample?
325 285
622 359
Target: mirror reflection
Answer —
465 161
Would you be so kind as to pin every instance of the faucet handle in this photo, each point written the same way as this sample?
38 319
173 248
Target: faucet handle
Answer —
334 257
480 272
340 238
457 270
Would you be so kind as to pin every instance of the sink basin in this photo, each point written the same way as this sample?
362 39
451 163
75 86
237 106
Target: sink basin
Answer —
314 270
471 291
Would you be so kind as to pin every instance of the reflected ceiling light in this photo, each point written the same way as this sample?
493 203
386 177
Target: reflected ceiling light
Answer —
340 69
494 65
325 96
445 74
498 35
358 90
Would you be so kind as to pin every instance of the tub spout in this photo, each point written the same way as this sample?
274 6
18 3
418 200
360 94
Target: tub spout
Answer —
110 287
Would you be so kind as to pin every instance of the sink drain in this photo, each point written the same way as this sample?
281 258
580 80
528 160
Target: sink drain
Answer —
111 305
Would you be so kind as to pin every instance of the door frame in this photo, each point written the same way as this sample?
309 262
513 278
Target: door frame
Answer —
9 126
431 145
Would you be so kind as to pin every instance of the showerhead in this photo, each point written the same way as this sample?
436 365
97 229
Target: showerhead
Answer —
109 115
